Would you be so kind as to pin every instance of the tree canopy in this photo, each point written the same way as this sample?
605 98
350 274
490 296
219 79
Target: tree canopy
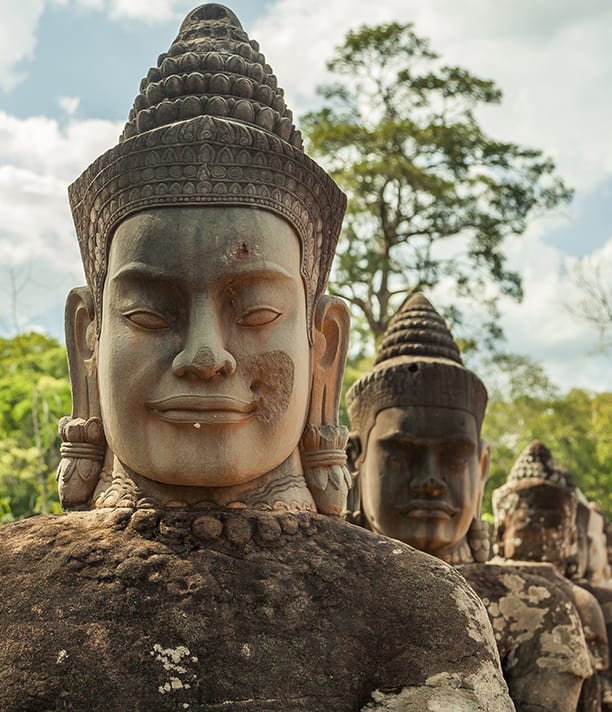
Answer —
34 395
574 425
432 197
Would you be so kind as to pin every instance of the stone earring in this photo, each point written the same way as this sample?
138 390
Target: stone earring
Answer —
82 451
479 540
323 453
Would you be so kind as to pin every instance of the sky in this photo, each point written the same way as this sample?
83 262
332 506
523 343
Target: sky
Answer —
70 69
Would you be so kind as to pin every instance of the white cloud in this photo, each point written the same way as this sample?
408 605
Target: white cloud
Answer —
40 145
69 104
148 10
18 23
38 159
543 326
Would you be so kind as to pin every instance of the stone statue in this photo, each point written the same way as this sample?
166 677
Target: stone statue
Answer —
202 564
591 573
536 514
402 412
421 469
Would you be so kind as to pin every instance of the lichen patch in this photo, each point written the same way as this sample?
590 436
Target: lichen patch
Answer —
171 660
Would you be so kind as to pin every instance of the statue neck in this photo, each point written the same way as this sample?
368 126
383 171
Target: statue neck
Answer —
284 488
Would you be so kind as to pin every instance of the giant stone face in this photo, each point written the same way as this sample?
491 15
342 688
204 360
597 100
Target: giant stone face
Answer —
203 357
420 477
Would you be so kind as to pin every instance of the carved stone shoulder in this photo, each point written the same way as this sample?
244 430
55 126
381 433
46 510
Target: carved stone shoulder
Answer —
444 653
539 635
175 608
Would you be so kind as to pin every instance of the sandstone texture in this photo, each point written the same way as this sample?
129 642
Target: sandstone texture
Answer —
233 610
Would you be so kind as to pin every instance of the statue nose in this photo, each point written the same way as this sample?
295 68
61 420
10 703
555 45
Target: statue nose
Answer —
204 363
429 486
428 481
204 353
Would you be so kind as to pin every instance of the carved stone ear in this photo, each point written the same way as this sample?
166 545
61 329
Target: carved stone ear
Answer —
484 466
83 443
332 325
323 443
80 327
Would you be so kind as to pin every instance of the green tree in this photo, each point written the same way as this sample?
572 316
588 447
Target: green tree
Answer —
575 426
34 394
431 196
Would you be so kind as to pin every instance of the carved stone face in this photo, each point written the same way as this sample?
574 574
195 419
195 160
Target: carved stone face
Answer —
203 358
422 477
538 524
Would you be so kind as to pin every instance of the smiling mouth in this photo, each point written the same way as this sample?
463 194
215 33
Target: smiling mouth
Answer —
428 509
209 410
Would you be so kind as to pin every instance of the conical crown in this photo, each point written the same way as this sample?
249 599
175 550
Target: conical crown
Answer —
536 462
418 363
209 126
418 330
212 68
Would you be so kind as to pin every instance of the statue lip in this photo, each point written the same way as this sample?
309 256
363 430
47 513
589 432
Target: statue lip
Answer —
210 409
429 509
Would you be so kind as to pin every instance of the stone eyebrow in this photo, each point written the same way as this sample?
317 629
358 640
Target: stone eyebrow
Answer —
143 271
402 438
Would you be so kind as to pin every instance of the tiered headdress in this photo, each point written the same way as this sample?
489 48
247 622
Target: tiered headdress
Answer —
541 482
418 364
535 471
209 127
536 462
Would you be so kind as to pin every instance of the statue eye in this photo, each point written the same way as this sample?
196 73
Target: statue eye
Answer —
147 320
260 316
397 458
456 463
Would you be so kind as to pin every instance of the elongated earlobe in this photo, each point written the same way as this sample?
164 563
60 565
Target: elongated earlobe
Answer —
354 511
323 443
479 534
83 443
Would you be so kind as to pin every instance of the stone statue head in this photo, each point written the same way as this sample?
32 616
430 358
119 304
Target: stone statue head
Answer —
416 419
535 511
203 352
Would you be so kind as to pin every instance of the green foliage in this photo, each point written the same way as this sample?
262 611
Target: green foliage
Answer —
6 515
431 197
34 395
575 426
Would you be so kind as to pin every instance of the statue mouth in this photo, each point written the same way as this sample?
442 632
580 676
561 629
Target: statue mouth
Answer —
428 509
197 409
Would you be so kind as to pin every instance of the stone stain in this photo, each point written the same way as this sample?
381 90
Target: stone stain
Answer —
558 649
471 613
441 692
171 659
271 377
524 619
